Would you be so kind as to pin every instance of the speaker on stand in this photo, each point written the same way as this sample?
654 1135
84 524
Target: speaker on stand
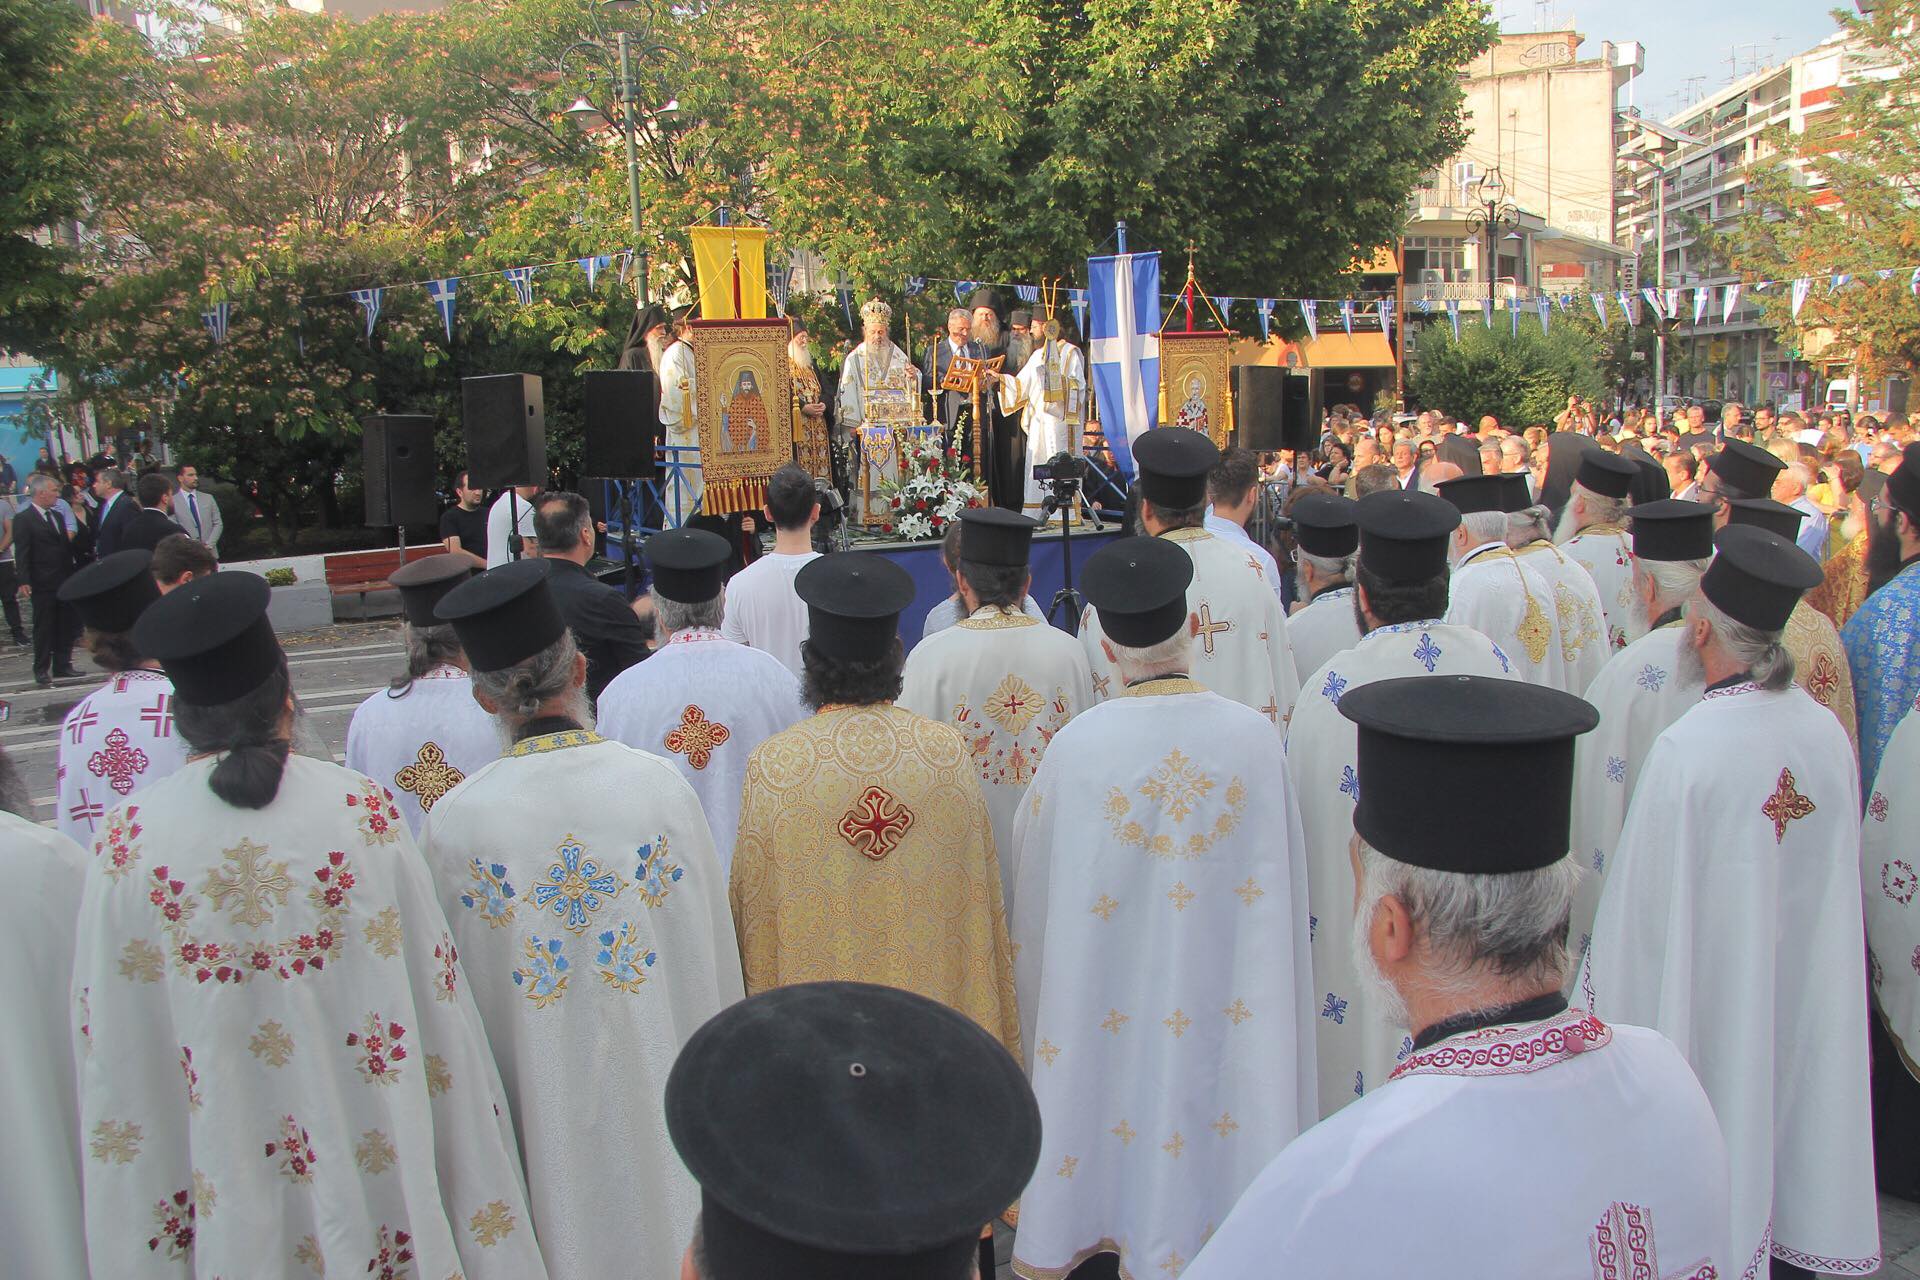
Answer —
398 473
1276 410
503 417
622 441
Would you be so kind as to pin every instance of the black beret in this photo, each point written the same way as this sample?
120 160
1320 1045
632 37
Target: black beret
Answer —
1403 534
1765 513
1758 577
424 582
111 594
1325 524
996 536
1139 588
854 601
1903 483
1607 474
688 564
503 616
212 637
1672 529
1452 733
1173 464
1471 495
1745 468
844 1130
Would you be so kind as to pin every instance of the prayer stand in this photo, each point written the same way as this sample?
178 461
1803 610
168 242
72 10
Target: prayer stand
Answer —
967 374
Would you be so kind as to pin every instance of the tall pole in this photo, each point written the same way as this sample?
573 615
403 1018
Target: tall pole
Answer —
1660 283
1493 264
629 117
1399 329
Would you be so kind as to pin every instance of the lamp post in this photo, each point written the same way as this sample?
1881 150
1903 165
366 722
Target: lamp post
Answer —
1496 214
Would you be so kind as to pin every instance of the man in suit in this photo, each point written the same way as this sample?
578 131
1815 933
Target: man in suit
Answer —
197 514
154 492
43 556
604 625
116 509
939 358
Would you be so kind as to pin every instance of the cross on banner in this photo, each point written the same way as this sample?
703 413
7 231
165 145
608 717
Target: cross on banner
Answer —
1123 346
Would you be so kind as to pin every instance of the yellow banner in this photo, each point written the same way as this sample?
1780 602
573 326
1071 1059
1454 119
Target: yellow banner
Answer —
713 253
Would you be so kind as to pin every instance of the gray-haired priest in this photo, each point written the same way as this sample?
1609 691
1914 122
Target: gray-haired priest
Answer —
1326 535
1163 814
1519 1138
590 913
1498 595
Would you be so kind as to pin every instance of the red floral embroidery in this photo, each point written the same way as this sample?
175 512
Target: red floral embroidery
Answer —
1785 805
212 960
381 1050
1498 1051
876 823
116 842
119 762
1877 807
378 813
394 1252
194 1098
296 1153
1897 881
446 982
174 1218
697 736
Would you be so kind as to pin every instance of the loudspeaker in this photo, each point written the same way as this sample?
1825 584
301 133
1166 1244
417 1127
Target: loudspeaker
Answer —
396 461
1300 418
1275 408
504 419
623 425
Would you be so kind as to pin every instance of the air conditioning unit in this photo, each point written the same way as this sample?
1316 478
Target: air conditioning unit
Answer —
1432 275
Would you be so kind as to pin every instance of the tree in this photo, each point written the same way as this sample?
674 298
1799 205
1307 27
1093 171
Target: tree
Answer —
41 167
1522 377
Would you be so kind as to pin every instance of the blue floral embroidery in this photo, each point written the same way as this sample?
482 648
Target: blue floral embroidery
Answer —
1599 860
1506 667
491 893
1359 1084
1334 687
655 875
1406 1048
545 976
1349 783
623 959
1651 678
1616 769
575 886
1428 653
1335 1008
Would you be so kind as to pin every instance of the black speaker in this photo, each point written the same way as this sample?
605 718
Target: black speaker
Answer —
1300 419
396 461
623 424
504 420
1275 408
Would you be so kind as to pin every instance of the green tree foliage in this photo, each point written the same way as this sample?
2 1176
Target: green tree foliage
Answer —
1522 378
41 166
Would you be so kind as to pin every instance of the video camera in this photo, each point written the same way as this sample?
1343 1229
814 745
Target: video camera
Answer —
1062 473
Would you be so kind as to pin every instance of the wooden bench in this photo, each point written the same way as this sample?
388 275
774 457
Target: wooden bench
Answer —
351 573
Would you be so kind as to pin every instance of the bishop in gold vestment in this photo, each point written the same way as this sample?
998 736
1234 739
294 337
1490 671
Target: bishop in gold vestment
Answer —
864 850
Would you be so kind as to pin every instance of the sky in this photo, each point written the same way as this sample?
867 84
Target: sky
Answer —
1683 38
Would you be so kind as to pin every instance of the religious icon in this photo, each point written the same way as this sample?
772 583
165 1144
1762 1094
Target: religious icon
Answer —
1193 368
740 367
743 423
1193 410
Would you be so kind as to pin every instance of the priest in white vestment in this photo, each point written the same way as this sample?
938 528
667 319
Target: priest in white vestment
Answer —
702 702
1731 920
1325 537
1579 620
1240 644
1890 840
1051 392
879 386
672 359
1494 593
1160 928
422 735
40 1180
1593 531
1401 590
1643 688
1519 1138
120 737
282 1072
591 913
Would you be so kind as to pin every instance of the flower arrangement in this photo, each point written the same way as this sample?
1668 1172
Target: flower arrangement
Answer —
936 485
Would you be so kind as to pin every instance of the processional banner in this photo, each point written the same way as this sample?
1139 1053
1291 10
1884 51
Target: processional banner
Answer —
1195 388
743 396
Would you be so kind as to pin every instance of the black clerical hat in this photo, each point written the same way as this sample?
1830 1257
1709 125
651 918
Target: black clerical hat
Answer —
1403 534
854 600
212 637
503 616
652 316
987 296
1020 317
111 594
424 582
1651 483
1452 733
1607 474
996 536
1139 588
1757 577
844 1131
1672 529
1765 513
1746 469
1903 483
1519 493
1470 495
688 564
1173 463
1325 524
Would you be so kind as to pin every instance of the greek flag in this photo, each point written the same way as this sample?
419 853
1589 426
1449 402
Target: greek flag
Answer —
1729 302
1077 299
780 284
369 300
1653 300
1700 299
1123 346
1310 312
1600 305
1226 307
521 278
1800 288
1545 306
216 320
1265 308
916 285
444 293
1027 292
1383 307
594 266
1346 315
1839 282
1453 316
963 289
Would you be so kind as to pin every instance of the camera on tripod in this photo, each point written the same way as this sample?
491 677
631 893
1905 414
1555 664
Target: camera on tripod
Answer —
1062 473
833 517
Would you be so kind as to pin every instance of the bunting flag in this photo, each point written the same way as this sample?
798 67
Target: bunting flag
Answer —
216 321
626 268
1077 299
1838 282
1654 301
1563 300
369 300
593 267
1700 299
1028 293
846 305
1671 304
1886 273
444 293
1346 315
1546 312
1513 320
1383 308
1762 286
780 285
1310 312
1916 281
916 285
963 289
1264 308
1486 312
1225 305
521 278
1426 306
1600 306
1800 288
1453 317
1729 302
1631 305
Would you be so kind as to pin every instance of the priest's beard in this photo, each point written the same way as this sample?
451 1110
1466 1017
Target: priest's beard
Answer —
1691 666
1391 1005
657 345
987 332
800 354
1568 528
1883 552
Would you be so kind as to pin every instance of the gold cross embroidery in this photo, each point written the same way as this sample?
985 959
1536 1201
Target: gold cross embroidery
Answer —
1174 1145
1237 1012
1104 907
1178 1023
1180 895
1226 1124
1124 1132
1205 628
1250 892
1114 1021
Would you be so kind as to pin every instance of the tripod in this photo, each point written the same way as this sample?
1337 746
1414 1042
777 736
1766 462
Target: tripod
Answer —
1062 496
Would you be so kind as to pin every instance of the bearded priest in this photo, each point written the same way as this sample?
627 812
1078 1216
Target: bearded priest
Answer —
1579 618
671 356
1643 688
1461 924
1241 648
1593 531
585 953
1007 682
1325 536
1494 593
423 734
1731 920
1050 391
745 695
1400 591
865 850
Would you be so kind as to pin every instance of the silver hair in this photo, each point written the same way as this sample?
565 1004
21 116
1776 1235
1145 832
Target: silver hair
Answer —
1760 653
427 648
40 482
1600 508
1485 526
521 690
1325 568
1508 928
1674 581
1529 525
1171 655
678 615
962 312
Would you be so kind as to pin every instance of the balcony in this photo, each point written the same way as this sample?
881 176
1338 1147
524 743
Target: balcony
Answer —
1463 290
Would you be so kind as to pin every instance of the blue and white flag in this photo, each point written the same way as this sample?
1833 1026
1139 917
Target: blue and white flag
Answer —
369 300
1028 293
1729 302
1915 284
521 278
916 285
1123 346
1600 306
1629 306
1310 312
780 284
1346 315
594 266
216 320
1225 304
1426 305
1838 282
1800 288
444 293
1486 312
963 289
1453 316
1653 300
1544 305
1513 317
1383 307
1077 299
1670 305
1264 308
1700 299
1886 273
1563 300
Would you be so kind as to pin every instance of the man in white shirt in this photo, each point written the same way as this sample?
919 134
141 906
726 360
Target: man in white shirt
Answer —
1233 491
511 510
197 514
763 610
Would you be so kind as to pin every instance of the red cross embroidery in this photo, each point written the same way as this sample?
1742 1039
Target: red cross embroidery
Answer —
83 720
86 811
697 736
160 716
118 762
1785 805
876 823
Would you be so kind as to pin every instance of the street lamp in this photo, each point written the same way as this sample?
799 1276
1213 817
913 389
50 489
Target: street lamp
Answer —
1496 214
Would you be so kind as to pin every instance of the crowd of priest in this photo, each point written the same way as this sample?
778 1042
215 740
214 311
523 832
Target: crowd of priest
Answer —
1517 906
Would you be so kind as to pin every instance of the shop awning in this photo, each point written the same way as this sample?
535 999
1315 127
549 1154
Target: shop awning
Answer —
1361 351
